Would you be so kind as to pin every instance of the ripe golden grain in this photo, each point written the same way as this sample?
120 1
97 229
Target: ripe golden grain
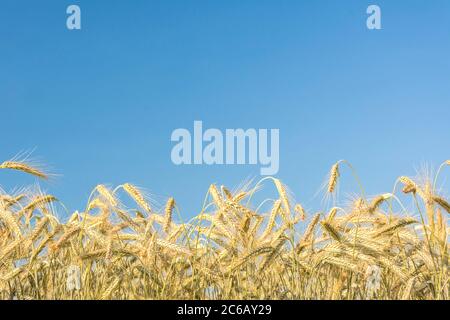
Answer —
331 231
137 196
109 291
39 228
332 214
240 196
107 194
376 203
215 195
333 179
168 214
410 186
24 167
308 233
36 203
400 223
96 203
442 202
227 192
66 236
10 222
230 251
283 195
300 211
272 218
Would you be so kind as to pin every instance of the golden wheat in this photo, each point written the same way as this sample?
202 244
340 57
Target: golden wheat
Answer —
229 251
24 167
333 179
137 196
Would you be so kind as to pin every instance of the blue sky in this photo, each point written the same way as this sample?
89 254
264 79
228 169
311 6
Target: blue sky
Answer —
99 104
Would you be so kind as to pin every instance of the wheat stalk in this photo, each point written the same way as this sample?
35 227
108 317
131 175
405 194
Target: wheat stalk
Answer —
137 196
333 179
24 167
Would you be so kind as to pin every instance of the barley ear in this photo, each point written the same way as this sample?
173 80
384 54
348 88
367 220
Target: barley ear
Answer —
334 176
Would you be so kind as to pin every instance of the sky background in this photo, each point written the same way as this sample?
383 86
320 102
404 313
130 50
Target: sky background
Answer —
99 105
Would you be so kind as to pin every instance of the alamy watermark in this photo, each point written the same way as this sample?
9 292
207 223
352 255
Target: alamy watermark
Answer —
234 146
373 281
73 279
374 19
73 21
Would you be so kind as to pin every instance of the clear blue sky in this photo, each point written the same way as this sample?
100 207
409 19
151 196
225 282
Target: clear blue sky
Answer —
100 104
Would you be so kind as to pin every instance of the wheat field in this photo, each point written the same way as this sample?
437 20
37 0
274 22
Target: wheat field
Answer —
121 246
